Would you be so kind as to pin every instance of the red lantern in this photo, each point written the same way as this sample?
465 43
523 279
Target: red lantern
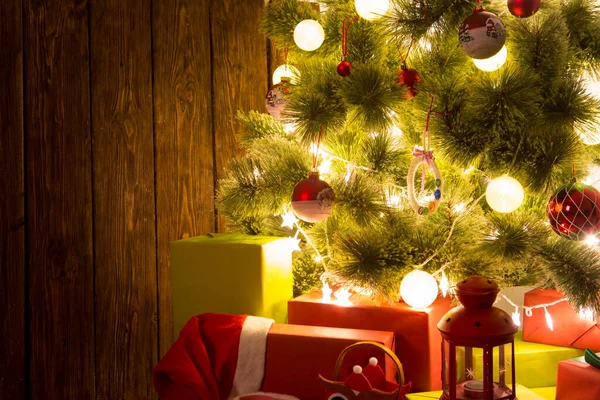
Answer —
473 336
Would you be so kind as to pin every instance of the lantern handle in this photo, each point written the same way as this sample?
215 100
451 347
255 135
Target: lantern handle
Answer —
340 360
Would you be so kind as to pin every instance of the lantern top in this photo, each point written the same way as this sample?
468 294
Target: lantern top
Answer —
477 322
477 292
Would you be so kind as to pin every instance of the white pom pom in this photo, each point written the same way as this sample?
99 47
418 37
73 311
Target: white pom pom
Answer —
373 361
357 369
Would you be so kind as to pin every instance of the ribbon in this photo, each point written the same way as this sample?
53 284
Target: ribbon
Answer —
427 156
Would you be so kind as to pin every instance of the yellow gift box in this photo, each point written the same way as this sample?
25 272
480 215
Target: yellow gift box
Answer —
522 393
231 274
536 363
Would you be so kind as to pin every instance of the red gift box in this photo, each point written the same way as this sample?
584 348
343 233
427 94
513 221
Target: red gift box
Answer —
577 380
297 354
569 329
417 339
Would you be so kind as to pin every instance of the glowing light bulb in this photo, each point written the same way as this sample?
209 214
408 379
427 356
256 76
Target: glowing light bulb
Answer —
326 290
285 71
444 284
504 194
516 317
418 289
591 240
396 131
460 207
371 9
586 313
343 296
289 128
309 35
549 321
494 62
469 170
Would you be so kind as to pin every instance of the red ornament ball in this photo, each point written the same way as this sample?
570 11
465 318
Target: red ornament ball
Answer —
343 68
408 77
574 211
312 199
482 34
277 97
523 8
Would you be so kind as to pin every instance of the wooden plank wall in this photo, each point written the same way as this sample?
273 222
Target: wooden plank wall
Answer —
116 120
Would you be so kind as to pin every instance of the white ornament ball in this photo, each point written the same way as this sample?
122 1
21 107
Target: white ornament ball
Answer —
418 289
494 62
285 71
309 35
482 35
504 194
372 9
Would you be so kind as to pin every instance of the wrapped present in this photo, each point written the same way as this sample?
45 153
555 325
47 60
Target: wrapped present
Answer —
418 340
577 380
230 274
536 363
568 328
522 393
297 355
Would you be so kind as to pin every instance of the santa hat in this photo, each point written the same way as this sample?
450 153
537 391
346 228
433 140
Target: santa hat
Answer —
216 356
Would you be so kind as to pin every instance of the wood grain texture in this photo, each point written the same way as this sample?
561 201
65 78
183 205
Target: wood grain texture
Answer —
124 217
183 132
59 199
12 205
239 72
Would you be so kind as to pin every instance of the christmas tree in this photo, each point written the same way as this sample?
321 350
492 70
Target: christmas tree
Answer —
457 138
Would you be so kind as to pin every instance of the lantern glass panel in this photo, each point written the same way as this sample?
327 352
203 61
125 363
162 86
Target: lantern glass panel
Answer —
445 365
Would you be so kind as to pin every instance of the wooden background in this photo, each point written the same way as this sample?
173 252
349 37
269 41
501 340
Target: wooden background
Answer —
115 123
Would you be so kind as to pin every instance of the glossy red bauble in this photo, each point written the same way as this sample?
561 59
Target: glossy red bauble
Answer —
343 68
574 211
312 199
409 77
523 8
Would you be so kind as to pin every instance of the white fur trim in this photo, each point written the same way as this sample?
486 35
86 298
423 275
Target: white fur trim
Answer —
251 356
273 395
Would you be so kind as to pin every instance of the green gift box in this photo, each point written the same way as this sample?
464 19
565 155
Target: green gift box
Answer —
231 274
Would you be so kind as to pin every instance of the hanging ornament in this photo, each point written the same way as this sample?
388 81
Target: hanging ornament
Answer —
504 194
482 34
419 289
277 97
372 9
574 211
523 8
312 199
493 63
344 67
287 71
408 77
423 157
309 35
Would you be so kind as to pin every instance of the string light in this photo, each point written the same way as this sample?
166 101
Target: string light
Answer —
343 296
591 240
469 170
326 290
289 220
516 316
460 207
396 131
348 175
587 314
256 173
444 284
325 166
289 128
549 321
294 244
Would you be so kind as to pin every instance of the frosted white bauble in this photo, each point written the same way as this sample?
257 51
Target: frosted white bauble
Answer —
504 194
494 62
309 35
285 71
371 9
418 289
